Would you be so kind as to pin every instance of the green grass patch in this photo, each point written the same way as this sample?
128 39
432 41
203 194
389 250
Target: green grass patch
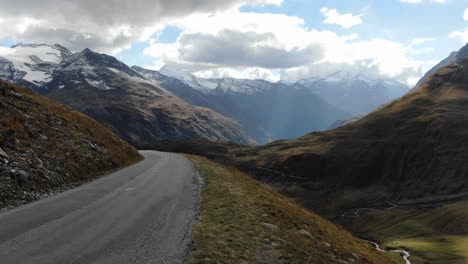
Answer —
432 235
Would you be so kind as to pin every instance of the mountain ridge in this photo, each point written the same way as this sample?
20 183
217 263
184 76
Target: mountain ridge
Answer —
131 106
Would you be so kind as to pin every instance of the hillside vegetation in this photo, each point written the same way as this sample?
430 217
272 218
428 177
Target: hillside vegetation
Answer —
243 221
45 146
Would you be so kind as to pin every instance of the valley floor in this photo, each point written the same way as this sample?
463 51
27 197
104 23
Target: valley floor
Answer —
433 233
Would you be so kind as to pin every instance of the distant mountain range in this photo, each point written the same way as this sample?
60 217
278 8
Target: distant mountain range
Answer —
268 111
142 105
356 94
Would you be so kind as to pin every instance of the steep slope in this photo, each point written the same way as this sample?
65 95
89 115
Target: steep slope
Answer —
355 94
412 148
121 99
267 111
254 223
44 146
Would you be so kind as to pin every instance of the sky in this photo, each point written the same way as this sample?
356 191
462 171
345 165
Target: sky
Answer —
267 39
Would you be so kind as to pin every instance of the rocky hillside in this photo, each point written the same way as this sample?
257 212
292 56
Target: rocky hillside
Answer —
45 147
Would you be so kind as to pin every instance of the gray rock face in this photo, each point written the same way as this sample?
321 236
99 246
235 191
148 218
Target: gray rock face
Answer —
270 226
3 153
304 233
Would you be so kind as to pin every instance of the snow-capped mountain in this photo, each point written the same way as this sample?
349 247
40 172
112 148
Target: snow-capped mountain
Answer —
93 69
31 63
106 89
212 86
357 94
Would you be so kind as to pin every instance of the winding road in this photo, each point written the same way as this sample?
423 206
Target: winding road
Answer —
140 214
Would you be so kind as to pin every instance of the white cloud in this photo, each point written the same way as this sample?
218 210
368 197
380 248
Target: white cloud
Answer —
465 15
211 45
106 26
345 20
462 35
419 41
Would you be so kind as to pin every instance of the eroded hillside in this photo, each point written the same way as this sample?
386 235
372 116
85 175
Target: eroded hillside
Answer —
45 146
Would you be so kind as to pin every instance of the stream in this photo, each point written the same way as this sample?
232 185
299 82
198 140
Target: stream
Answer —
355 214
405 253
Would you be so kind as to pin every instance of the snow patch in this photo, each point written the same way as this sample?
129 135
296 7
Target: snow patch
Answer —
30 60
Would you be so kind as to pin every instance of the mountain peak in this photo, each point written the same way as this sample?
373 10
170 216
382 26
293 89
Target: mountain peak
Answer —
462 53
339 75
33 63
173 71
88 51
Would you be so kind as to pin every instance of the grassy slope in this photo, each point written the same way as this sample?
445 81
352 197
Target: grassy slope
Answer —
233 208
433 235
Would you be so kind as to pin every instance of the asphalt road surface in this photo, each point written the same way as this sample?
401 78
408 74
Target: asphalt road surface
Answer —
140 214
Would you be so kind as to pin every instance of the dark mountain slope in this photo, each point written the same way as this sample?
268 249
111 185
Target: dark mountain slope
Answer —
44 146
